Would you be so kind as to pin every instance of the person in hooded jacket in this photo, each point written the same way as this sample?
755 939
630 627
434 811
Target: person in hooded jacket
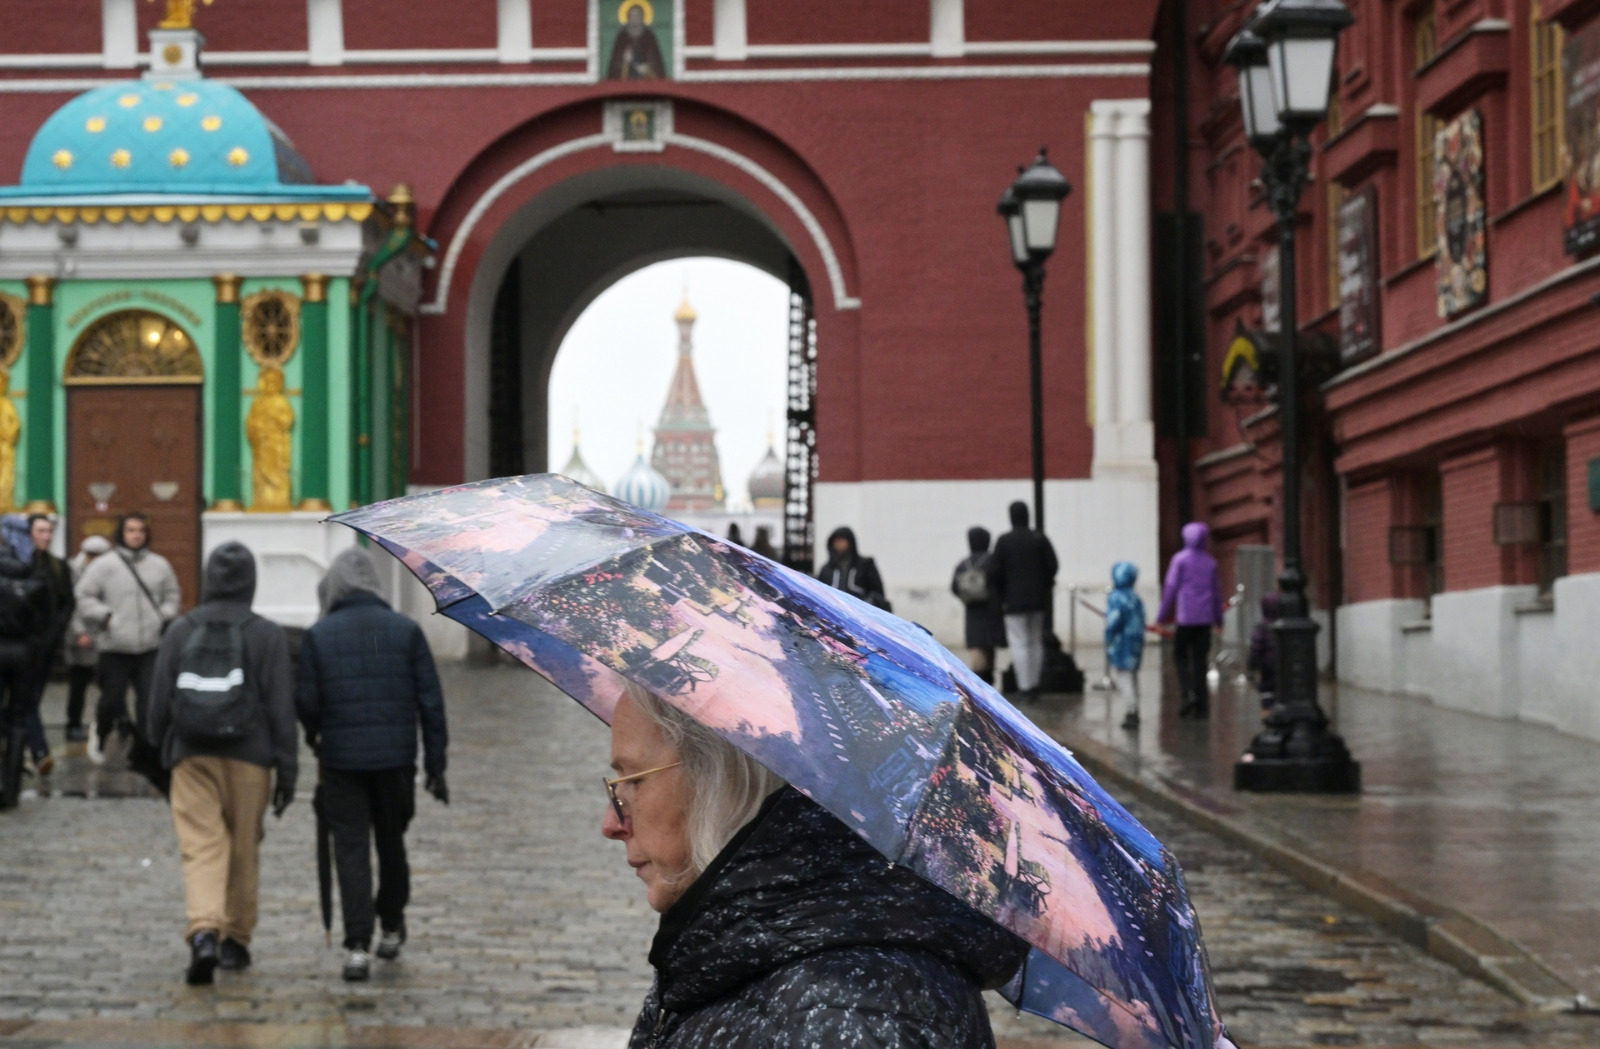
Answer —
37 628
367 679
1125 626
985 623
1262 661
80 652
780 927
220 790
1023 571
847 570
25 617
1192 597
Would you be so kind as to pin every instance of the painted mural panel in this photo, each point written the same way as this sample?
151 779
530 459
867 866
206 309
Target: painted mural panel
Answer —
636 39
1581 70
1359 333
1462 264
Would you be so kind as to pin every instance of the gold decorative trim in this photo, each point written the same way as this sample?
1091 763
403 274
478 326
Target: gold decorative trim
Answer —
40 506
134 347
227 287
330 211
315 286
132 380
13 328
227 506
41 290
320 506
270 322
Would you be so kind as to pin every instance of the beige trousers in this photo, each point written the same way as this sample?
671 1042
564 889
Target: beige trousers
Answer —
218 805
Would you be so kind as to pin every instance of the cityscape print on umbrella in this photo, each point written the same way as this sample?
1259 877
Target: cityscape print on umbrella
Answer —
862 711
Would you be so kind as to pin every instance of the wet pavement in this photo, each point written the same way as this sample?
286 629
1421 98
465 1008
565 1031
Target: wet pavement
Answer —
1497 819
527 930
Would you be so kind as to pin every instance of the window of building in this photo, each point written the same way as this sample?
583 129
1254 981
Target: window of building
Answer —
1549 99
1553 514
1425 45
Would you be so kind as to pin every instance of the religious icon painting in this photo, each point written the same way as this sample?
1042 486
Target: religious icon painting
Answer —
1581 159
1462 262
636 39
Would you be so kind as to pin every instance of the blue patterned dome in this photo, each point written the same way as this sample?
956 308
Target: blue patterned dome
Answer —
190 137
644 487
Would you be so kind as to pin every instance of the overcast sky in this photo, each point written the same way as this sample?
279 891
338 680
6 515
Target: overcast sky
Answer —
614 368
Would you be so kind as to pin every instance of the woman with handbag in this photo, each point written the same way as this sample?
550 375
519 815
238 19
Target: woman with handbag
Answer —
128 597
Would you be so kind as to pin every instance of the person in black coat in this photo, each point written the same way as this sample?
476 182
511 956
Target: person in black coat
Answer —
1023 571
367 678
985 624
847 570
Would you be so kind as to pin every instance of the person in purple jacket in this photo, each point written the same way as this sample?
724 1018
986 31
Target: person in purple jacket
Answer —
1192 596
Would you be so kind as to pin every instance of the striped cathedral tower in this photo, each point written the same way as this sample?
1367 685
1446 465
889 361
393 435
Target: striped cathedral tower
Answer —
686 450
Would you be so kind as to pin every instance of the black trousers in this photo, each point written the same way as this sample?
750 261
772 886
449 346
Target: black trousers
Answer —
1191 650
118 670
78 680
363 809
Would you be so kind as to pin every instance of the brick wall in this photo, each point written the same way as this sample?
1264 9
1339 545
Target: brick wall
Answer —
1368 515
1583 525
1471 485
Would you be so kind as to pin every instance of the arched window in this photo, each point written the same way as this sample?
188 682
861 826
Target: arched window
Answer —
134 346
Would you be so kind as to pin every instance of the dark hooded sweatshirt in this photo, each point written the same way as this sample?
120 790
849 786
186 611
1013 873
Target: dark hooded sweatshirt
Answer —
1024 567
800 934
851 572
228 589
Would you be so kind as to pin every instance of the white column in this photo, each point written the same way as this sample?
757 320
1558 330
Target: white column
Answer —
948 27
1133 279
515 37
119 34
1103 313
729 38
325 32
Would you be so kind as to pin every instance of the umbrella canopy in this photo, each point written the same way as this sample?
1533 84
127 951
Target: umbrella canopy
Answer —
862 711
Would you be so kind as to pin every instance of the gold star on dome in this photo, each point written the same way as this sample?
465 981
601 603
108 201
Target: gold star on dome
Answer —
95 125
128 101
164 86
211 123
121 158
152 123
188 100
238 157
62 159
178 157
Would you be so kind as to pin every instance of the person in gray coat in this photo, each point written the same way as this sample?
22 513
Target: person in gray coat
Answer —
220 790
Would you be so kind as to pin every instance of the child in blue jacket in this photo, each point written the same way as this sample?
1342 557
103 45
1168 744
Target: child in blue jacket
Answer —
1125 625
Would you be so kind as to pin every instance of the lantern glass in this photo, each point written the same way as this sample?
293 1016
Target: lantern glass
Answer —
1301 68
1260 111
1019 240
1040 218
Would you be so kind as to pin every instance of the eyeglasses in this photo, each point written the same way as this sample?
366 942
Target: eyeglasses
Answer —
612 784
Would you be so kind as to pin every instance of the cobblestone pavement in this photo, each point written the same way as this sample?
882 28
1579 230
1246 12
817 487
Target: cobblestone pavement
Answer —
528 930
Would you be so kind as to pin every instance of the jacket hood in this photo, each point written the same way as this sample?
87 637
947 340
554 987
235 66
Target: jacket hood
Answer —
352 570
796 882
230 574
847 534
14 530
95 545
1271 605
1196 536
977 540
1124 574
1019 514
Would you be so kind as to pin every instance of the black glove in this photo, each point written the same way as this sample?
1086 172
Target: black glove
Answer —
438 788
282 796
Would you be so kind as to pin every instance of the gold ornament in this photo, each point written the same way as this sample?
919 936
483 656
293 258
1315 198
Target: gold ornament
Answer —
62 159
133 346
269 428
180 14
13 328
271 327
10 434
94 125
188 100
128 101
238 156
152 123
121 158
211 123
178 157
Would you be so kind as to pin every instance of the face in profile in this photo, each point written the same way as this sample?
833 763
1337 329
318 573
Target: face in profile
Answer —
42 531
655 822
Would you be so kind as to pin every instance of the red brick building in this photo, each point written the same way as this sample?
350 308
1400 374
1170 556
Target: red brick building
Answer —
1449 301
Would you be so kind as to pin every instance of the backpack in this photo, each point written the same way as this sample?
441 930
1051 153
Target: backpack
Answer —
972 581
211 704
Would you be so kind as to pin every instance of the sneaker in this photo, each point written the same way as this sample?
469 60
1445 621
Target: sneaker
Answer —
77 734
358 966
96 749
1131 722
203 958
45 765
233 955
390 942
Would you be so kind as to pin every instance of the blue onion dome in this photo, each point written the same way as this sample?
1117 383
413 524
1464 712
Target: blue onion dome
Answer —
766 481
195 137
579 471
644 487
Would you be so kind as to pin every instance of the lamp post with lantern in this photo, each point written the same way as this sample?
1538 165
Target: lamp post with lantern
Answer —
1285 60
1031 207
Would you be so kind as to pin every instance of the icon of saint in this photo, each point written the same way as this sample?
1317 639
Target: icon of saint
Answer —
268 427
636 54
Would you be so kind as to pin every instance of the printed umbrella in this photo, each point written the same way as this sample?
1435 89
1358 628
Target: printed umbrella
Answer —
862 711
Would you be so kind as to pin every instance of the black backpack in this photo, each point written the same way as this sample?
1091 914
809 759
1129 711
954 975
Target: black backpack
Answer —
211 701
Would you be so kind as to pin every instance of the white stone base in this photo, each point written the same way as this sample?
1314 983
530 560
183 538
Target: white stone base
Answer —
917 532
1493 651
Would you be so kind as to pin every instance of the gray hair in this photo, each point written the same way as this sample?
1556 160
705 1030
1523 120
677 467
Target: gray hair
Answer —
727 785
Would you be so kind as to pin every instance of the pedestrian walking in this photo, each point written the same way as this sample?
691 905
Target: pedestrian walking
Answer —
25 617
780 925
222 714
762 544
847 570
735 536
1262 661
1192 597
1023 573
127 598
1125 626
985 623
58 580
367 681
81 651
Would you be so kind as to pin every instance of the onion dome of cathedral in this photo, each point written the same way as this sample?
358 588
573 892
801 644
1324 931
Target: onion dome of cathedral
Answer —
579 471
644 487
189 136
766 481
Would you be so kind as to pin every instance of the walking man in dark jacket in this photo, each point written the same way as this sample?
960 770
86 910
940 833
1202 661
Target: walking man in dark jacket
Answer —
847 570
1024 573
366 679
220 786
58 580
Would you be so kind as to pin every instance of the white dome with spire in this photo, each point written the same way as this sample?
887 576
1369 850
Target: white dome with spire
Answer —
644 487
767 481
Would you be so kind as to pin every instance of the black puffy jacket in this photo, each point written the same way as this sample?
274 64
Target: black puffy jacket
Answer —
366 678
800 934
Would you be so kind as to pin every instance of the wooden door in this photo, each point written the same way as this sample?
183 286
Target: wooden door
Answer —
137 447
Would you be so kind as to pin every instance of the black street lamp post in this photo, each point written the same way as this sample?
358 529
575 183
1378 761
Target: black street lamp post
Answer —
1285 63
1031 207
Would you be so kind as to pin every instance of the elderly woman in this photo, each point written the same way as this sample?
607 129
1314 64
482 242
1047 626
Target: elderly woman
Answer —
780 927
